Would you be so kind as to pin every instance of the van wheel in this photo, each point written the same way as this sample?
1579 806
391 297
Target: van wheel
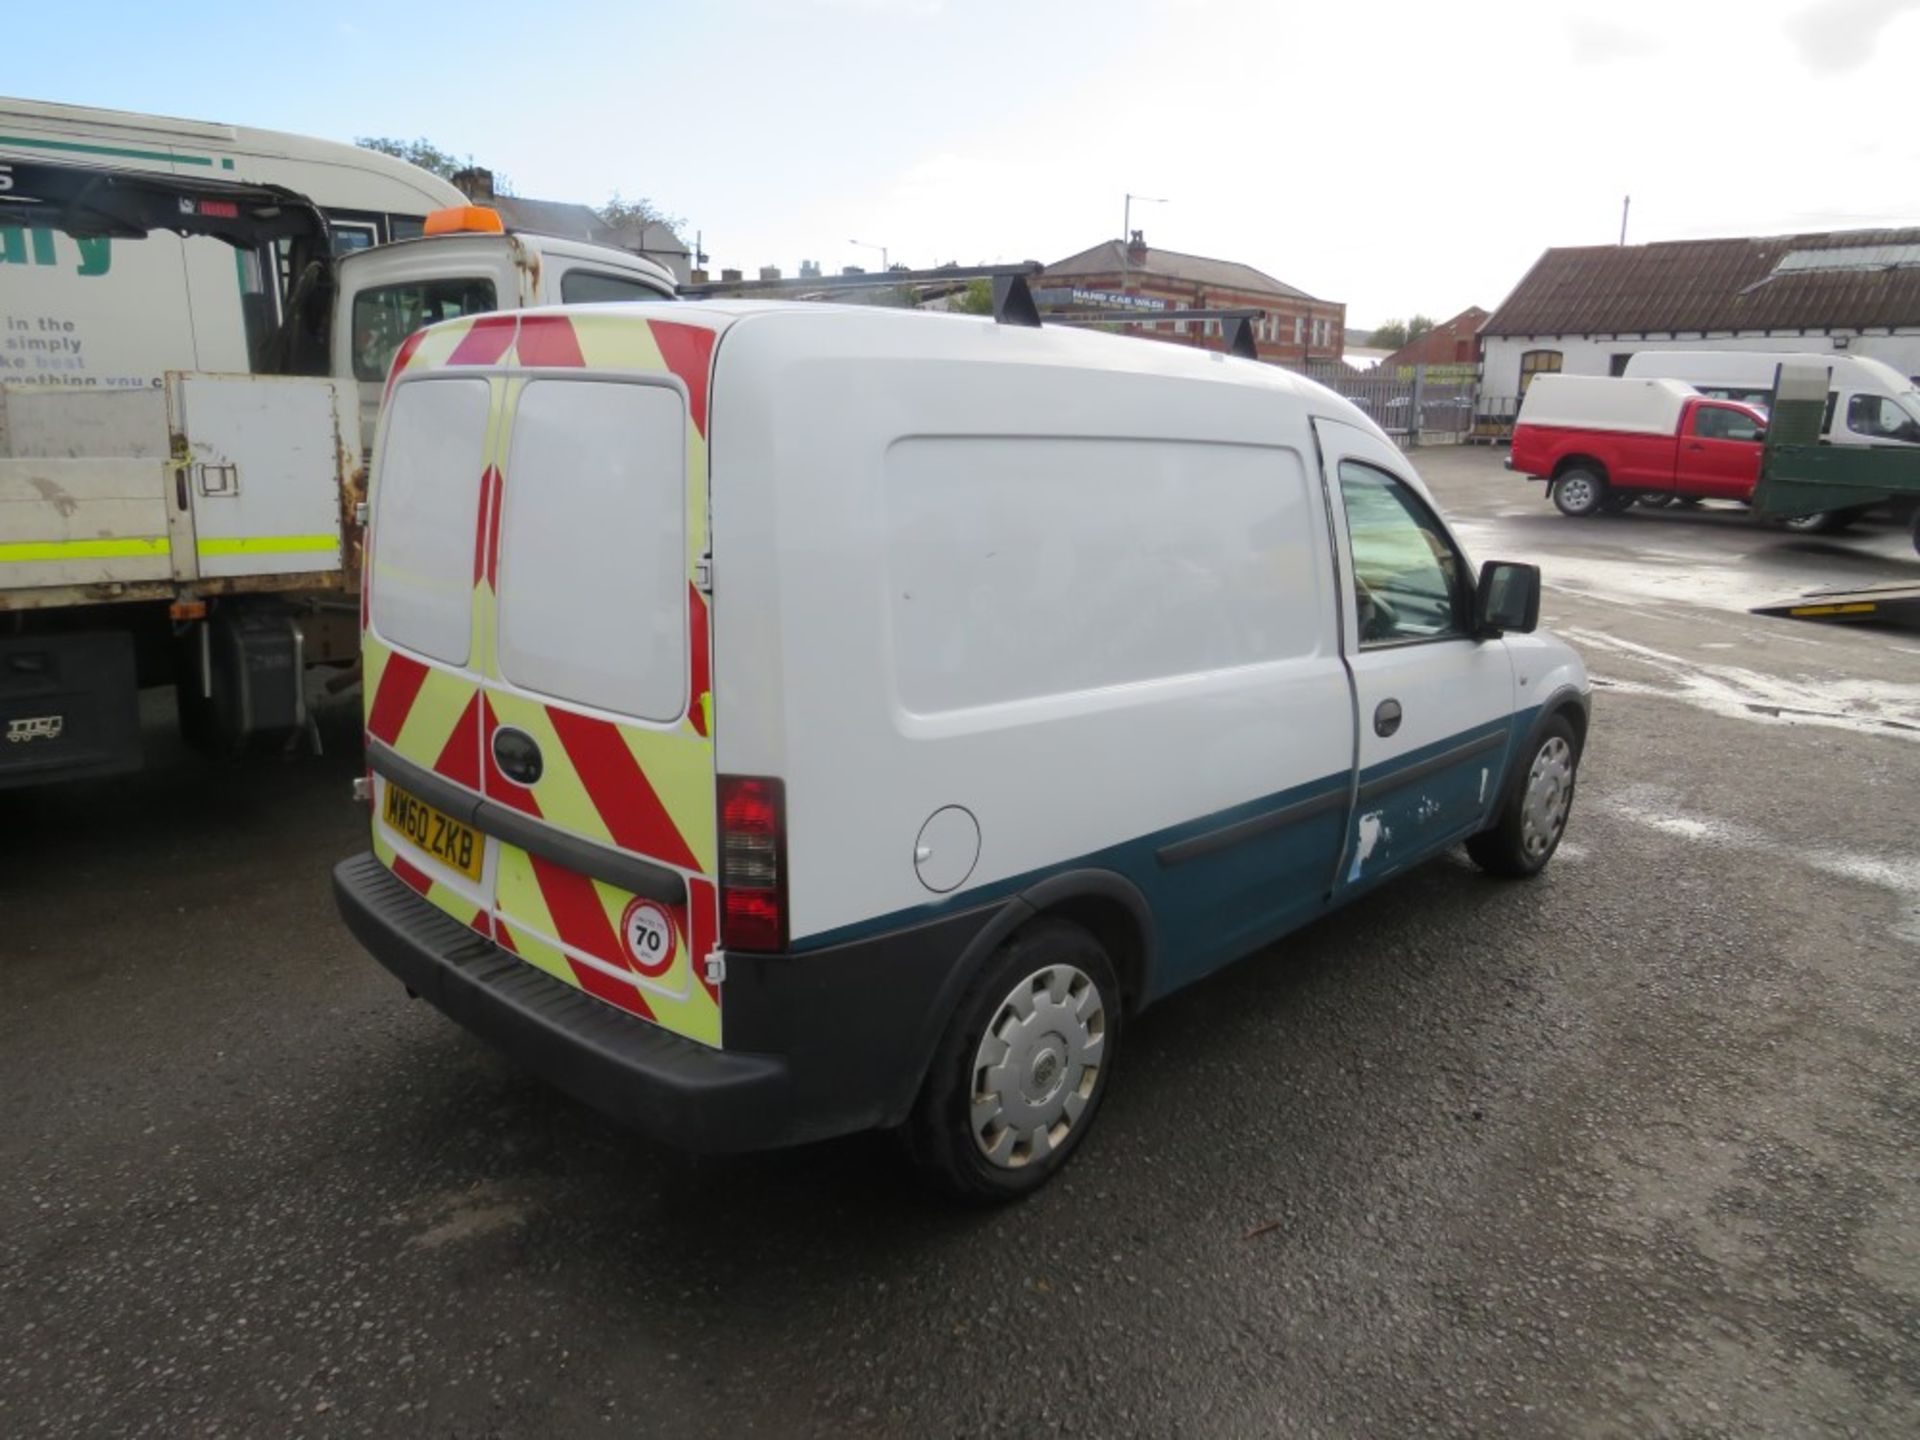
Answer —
1822 522
1020 1073
1578 492
1534 815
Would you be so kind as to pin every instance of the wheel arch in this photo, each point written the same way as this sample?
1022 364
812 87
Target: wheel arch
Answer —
1567 701
1579 461
1103 902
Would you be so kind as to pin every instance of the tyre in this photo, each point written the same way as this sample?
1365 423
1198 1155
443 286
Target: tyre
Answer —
1824 522
1618 502
1020 1073
1533 816
1578 492
1657 501
1916 532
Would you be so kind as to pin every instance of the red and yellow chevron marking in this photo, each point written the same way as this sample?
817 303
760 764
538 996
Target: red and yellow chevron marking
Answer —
569 926
640 788
427 714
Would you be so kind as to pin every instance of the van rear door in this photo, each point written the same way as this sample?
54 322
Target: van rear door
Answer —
596 753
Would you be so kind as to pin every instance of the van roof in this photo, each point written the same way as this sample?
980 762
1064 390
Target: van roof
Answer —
935 334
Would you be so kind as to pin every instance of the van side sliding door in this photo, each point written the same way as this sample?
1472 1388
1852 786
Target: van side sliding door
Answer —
1434 704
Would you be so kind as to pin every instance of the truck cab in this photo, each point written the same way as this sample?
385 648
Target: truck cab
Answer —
466 265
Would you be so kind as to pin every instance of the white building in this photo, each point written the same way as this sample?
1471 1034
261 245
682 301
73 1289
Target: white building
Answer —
1586 310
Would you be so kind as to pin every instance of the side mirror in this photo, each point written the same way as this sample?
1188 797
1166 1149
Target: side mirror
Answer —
1507 598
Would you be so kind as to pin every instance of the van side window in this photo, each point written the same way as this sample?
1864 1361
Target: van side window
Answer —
1408 580
592 287
384 315
1713 422
1878 417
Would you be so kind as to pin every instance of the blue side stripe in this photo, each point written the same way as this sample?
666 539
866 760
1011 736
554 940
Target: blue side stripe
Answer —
1218 907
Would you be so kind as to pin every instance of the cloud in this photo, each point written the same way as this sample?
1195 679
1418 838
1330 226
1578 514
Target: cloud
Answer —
1839 35
1602 42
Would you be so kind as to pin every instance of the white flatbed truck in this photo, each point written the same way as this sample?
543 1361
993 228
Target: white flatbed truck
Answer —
205 533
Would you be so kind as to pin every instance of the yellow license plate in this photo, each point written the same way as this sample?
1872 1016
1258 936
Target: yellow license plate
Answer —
454 845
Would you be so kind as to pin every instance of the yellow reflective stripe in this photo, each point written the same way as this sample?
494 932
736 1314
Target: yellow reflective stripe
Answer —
265 544
1858 607
31 551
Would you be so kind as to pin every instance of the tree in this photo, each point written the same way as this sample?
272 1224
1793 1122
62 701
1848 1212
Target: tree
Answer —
1390 336
429 157
1395 333
976 299
623 214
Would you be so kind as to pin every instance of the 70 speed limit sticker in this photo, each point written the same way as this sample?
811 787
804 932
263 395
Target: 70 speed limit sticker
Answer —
649 934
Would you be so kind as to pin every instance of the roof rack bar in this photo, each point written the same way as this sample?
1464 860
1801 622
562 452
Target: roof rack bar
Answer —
715 289
1013 302
1236 325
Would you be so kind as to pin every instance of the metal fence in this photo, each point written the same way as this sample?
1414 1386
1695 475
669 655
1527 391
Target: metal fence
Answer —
1412 406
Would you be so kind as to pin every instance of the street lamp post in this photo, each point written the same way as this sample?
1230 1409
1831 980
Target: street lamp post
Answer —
884 266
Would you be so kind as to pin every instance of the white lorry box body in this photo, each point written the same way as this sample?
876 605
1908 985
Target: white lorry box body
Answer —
1869 402
115 313
1592 402
721 657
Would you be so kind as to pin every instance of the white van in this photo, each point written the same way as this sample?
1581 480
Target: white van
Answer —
784 720
1870 402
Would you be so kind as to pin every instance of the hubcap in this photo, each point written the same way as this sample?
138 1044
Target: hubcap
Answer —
1578 491
1037 1066
1549 796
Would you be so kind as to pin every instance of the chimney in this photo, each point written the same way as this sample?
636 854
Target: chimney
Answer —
809 269
730 277
1137 248
769 272
476 183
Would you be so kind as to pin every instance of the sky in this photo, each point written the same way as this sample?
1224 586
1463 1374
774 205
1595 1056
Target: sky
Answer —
1399 157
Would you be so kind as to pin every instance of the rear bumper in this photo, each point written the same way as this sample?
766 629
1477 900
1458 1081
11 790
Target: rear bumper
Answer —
830 1041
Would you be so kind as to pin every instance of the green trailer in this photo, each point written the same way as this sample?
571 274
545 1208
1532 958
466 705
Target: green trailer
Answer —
1801 476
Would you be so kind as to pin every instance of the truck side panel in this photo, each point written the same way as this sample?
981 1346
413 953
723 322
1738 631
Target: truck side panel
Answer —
82 522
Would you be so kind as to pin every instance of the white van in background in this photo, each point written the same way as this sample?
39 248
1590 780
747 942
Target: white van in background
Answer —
1870 402
786 720
119 314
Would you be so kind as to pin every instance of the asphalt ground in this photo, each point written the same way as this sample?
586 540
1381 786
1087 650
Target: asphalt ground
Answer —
1629 1150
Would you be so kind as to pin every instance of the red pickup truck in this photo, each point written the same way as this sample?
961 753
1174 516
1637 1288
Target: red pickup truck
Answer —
1601 444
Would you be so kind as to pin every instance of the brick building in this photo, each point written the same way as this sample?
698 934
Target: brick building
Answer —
1456 342
1297 327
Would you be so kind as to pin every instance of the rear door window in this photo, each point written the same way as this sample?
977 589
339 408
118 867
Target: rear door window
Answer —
593 563
427 506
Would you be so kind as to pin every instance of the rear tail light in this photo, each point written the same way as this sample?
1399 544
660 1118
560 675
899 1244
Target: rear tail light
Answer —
753 863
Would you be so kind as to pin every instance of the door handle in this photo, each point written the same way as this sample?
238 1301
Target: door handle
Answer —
1386 717
1696 446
